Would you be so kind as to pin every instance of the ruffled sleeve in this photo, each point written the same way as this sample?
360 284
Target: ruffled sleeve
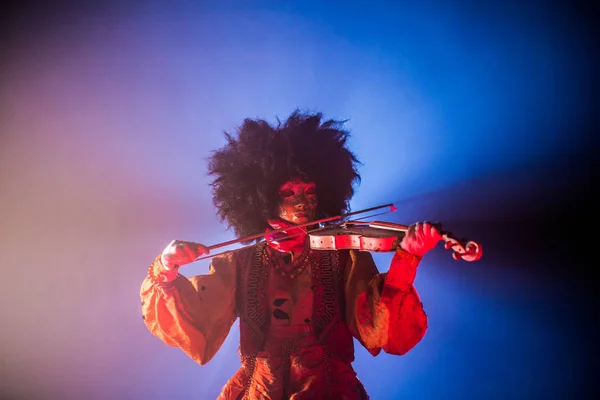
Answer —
383 310
193 314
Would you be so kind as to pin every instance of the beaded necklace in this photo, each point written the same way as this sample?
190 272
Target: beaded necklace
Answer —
297 266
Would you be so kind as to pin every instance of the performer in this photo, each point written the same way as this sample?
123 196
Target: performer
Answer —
299 309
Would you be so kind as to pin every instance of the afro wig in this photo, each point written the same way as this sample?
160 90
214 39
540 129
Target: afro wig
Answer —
249 170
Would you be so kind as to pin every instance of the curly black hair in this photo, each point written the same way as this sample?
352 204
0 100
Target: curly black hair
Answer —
252 166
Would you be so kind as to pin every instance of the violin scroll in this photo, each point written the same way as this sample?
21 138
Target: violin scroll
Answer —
469 251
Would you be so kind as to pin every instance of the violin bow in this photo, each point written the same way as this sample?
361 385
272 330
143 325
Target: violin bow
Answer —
391 207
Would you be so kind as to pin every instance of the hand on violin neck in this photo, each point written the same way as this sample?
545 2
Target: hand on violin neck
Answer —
179 252
420 238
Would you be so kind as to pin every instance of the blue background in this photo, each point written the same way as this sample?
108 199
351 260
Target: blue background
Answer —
477 115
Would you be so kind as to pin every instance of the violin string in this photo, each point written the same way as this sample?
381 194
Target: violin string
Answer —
372 215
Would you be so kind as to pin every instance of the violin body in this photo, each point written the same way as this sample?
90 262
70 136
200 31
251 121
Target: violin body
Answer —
355 238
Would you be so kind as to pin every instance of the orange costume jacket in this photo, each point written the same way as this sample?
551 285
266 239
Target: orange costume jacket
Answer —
285 359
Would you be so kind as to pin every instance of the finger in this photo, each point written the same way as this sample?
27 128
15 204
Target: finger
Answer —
189 253
436 231
426 229
411 231
202 249
197 248
418 228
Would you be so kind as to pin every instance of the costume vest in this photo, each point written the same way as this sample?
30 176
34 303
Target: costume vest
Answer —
328 322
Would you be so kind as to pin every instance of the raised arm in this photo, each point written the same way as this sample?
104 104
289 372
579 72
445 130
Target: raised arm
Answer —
383 310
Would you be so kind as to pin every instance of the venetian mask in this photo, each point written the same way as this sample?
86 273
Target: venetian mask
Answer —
298 201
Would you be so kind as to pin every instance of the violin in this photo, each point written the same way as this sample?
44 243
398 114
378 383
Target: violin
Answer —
374 236
378 236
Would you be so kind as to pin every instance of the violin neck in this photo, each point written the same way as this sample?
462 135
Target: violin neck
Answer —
390 226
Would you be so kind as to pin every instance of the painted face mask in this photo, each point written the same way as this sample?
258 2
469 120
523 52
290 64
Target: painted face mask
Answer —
298 205
298 201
